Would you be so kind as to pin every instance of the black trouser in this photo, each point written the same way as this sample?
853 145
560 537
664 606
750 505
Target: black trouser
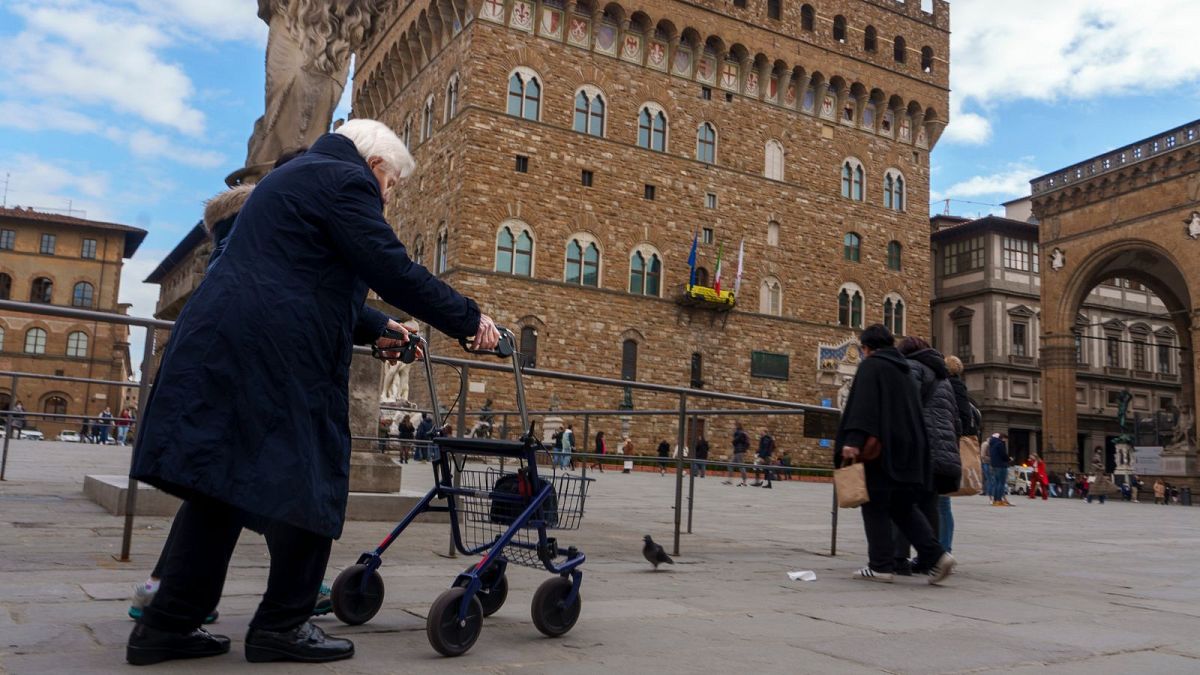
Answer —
896 503
193 570
927 504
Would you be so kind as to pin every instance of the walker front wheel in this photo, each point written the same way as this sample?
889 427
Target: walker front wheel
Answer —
354 602
551 615
448 635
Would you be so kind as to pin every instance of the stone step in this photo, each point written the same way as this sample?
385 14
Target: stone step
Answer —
111 491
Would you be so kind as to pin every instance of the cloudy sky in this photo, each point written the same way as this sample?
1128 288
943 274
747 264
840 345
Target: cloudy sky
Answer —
135 110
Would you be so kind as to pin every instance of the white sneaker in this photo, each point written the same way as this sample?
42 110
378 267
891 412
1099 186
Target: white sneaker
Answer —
944 567
868 574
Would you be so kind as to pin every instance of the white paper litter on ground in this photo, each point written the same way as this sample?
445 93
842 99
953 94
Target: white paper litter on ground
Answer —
803 575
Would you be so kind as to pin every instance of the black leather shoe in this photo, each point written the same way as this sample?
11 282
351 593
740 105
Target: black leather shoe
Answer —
305 643
150 645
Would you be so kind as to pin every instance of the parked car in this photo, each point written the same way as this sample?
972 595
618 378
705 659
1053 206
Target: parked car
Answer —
69 436
32 435
1019 479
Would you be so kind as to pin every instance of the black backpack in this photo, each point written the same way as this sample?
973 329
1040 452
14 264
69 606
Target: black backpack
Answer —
506 511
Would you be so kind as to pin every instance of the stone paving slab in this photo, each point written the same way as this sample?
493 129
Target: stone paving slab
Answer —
1058 587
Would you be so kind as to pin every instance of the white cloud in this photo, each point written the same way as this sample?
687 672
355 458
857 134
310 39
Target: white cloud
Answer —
147 144
1012 182
44 117
1065 49
100 55
968 128
215 19
34 181
142 296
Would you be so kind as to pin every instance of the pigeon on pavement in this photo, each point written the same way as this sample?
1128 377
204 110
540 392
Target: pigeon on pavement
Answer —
655 554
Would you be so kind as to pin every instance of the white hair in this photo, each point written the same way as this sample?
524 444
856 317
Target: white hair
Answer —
373 138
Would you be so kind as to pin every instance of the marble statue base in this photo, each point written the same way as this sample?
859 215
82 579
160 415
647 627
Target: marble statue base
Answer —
374 472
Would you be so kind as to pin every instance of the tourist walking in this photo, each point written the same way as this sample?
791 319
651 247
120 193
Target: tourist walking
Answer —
700 461
568 445
601 449
1039 480
664 452
1160 491
405 431
251 436
17 420
123 423
766 448
741 445
626 448
969 419
106 425
943 428
999 459
882 427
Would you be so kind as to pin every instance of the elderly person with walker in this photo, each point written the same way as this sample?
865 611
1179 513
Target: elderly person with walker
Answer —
248 421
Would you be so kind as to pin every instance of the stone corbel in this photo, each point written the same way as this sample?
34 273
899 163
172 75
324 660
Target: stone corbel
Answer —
764 80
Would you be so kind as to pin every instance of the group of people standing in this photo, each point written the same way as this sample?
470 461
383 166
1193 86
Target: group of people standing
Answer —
106 428
904 420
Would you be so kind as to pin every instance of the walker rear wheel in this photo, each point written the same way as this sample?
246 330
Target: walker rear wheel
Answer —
493 589
353 602
448 635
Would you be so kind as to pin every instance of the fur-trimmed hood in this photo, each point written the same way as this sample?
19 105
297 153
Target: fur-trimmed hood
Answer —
225 205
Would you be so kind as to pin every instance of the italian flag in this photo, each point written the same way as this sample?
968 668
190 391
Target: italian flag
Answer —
717 284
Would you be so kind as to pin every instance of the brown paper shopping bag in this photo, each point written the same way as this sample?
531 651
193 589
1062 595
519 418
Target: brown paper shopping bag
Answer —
850 484
972 472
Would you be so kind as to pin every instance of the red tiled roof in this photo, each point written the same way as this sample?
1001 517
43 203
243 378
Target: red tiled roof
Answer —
133 238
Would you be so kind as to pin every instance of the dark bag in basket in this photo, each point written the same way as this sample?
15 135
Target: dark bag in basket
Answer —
506 512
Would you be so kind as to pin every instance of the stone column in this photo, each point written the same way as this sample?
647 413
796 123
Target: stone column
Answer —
1059 410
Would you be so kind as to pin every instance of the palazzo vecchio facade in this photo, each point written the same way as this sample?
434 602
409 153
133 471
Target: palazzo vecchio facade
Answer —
569 151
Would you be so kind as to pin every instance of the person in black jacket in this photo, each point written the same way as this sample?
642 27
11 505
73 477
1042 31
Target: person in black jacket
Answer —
884 411
700 458
248 421
942 431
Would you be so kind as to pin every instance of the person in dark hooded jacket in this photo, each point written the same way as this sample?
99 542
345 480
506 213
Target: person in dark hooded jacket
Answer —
883 411
942 430
248 421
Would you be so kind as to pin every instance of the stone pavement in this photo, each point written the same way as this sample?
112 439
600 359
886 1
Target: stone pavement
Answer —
1058 587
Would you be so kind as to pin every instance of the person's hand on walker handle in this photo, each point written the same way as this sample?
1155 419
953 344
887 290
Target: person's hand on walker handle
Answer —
389 345
486 336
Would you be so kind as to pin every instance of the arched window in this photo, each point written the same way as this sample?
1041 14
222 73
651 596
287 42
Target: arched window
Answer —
927 59
427 120
55 405
645 272
528 347
701 277
1 344
706 144
900 50
772 233
893 190
77 344
451 98
770 297
850 306
407 138
894 256
83 294
443 243
775 9
35 341
583 261
808 18
514 250
589 112
871 39
853 177
524 95
629 358
418 250
652 129
839 28
42 290
852 247
893 314
773 168
5 286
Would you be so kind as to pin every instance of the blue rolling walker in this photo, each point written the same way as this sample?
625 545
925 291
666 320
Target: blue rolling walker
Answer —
502 515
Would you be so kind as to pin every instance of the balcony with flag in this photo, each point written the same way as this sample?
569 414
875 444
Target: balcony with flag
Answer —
697 292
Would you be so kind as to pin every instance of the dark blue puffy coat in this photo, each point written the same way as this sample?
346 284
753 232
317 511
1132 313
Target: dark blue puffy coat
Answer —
251 404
